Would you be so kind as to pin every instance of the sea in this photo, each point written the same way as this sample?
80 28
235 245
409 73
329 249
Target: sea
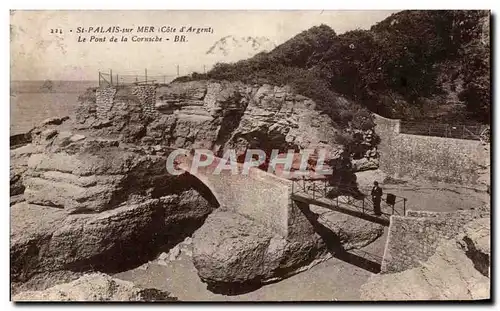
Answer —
31 102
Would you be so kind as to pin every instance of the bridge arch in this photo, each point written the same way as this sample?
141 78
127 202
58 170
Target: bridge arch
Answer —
204 189
259 195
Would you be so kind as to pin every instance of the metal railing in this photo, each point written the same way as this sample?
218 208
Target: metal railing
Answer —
460 131
347 197
115 79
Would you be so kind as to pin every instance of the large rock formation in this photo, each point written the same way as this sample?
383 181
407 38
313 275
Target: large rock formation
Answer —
93 203
47 239
230 251
216 116
95 287
98 196
458 270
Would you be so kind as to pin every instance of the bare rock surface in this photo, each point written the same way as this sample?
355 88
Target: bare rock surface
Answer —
18 166
86 182
456 271
365 179
216 115
43 281
95 287
478 232
43 239
484 170
287 120
476 241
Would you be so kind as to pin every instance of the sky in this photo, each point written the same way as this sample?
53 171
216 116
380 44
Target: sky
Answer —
38 54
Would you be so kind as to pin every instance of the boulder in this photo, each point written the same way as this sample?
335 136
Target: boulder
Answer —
230 248
95 287
18 140
44 132
76 182
48 134
94 204
45 239
15 199
76 137
42 281
30 233
187 205
478 232
66 195
16 182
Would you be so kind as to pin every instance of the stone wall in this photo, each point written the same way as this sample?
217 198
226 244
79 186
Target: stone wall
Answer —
147 98
387 127
414 238
104 101
259 195
428 157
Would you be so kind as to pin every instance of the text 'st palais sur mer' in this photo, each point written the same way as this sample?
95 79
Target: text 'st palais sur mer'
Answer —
140 29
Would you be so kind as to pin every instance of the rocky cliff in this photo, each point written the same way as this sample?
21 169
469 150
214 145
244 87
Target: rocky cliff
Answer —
216 116
95 203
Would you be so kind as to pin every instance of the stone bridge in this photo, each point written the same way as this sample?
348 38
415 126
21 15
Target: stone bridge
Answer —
259 195
268 198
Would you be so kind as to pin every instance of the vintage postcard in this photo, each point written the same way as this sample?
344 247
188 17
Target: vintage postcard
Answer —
250 155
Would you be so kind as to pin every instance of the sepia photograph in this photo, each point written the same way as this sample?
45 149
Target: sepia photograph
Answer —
250 155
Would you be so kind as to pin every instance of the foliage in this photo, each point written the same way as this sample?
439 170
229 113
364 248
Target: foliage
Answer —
475 56
390 69
183 79
414 43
